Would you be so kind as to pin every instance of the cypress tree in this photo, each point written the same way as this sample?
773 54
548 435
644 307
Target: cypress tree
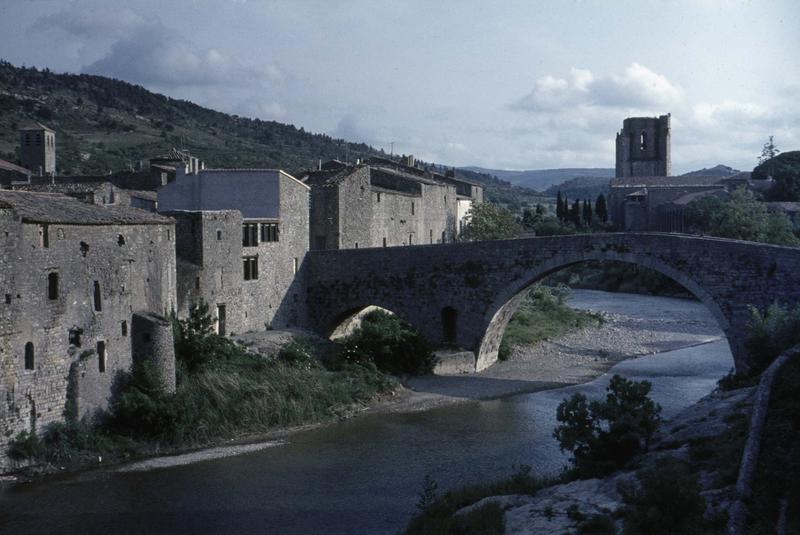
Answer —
576 212
559 207
600 208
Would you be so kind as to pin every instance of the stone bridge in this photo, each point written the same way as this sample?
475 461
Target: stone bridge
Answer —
465 293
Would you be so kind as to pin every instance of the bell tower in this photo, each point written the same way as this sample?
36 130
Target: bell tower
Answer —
37 149
643 147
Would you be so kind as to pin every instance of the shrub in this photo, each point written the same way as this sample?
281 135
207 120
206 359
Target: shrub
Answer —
299 354
142 408
390 343
604 435
772 333
26 445
666 501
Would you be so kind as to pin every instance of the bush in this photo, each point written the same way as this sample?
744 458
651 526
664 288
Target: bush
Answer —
390 343
299 354
143 408
772 333
543 315
437 514
604 435
667 501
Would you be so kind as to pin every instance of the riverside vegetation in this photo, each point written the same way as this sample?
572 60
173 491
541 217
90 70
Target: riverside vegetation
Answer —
607 435
224 391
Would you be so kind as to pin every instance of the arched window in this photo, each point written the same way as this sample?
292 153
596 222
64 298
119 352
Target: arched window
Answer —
643 141
29 359
449 320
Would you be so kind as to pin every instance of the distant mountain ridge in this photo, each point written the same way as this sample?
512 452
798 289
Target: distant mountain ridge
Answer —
541 179
718 170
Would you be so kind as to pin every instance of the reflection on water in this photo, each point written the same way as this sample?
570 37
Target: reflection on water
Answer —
359 476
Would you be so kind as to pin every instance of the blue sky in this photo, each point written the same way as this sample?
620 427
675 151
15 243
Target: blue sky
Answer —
516 85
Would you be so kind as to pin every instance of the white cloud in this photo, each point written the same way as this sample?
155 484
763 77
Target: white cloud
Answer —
637 87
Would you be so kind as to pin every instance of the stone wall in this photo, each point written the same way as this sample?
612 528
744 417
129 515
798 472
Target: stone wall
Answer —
210 255
133 267
483 281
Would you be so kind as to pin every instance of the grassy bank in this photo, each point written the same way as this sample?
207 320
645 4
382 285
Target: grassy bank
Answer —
223 392
543 315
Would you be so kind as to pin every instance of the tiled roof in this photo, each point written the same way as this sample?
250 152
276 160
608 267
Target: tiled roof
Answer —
37 126
35 207
8 166
664 181
61 187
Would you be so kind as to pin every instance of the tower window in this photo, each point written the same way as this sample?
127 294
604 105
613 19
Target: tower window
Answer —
124 328
643 141
412 207
101 357
98 300
29 360
52 286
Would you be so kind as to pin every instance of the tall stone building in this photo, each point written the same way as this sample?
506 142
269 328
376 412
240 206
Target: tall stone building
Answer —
643 147
382 203
38 149
241 238
85 290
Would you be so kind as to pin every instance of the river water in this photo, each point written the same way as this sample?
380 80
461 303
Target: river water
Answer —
359 476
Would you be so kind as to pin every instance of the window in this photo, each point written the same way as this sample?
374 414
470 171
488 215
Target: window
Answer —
124 328
101 357
120 240
250 234
356 245
44 233
250 264
643 141
27 140
197 283
38 139
384 242
8 299
379 196
75 337
269 232
52 286
29 361
410 239
98 302
219 235
412 207
296 264
431 235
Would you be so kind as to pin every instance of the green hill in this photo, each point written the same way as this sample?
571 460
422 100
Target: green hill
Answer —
104 125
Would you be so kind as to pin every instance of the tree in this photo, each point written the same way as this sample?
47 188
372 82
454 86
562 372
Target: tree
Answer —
768 152
559 207
600 208
739 217
575 213
489 221
587 212
785 170
604 435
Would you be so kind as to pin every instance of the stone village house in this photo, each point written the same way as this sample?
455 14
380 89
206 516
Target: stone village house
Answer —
85 290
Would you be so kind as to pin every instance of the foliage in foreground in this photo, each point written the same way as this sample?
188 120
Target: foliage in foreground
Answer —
436 512
388 343
604 435
778 471
666 501
541 316
772 333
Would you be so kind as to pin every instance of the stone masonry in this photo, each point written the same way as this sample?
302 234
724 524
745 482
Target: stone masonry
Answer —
74 278
467 292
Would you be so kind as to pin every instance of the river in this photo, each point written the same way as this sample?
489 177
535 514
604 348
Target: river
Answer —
360 475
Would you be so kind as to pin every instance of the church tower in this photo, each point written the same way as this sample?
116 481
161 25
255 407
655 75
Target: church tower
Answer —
37 149
643 147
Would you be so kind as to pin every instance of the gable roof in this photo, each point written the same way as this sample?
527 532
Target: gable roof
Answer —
37 126
34 207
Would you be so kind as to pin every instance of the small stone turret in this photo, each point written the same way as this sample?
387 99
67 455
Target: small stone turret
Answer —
152 340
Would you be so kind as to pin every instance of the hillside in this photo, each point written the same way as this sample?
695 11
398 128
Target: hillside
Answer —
541 179
582 187
718 170
105 125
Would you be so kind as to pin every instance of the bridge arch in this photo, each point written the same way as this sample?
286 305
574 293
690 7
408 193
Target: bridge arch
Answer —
348 321
509 298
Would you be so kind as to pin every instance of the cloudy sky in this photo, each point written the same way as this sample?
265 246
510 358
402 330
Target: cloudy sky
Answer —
505 84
